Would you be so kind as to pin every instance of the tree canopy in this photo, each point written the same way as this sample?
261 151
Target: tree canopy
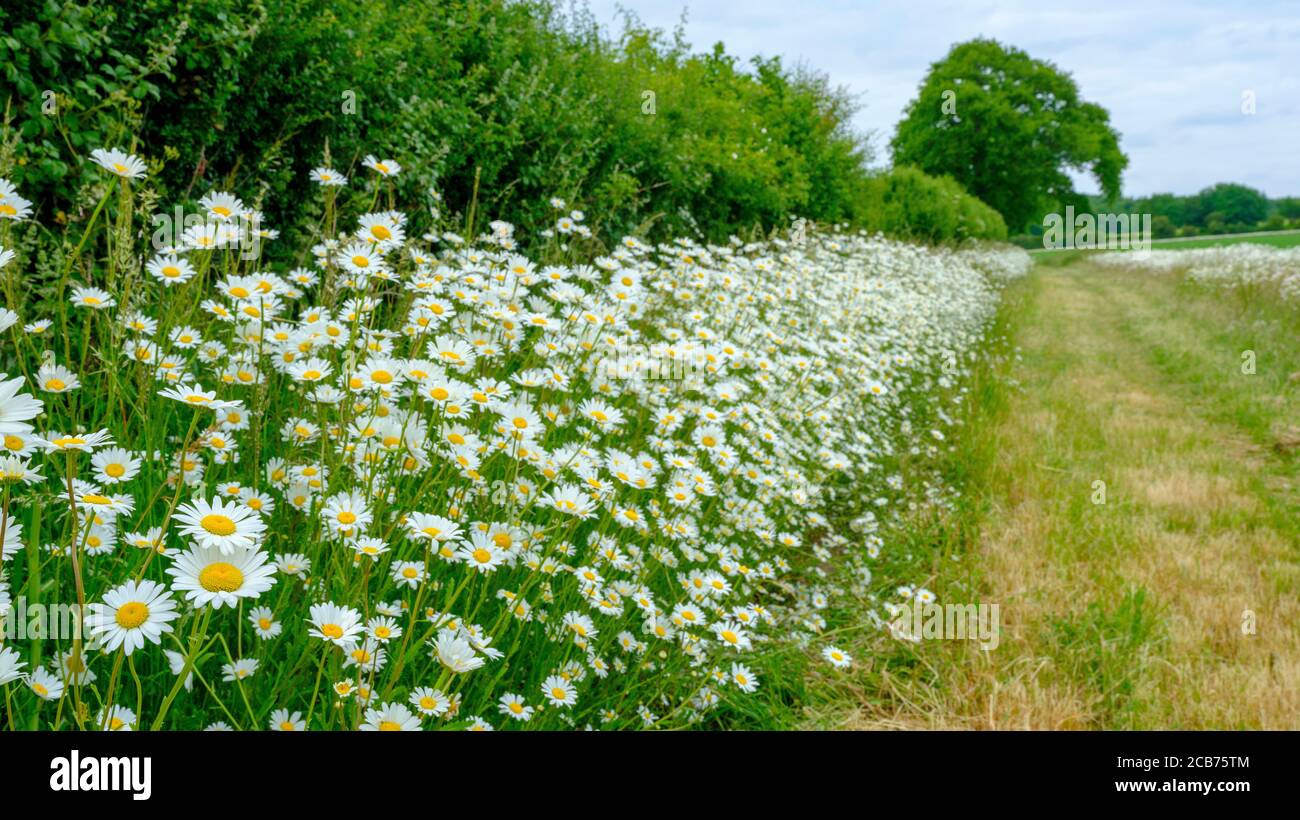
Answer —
1008 127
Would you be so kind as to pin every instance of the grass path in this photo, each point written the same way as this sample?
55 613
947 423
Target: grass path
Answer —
1137 528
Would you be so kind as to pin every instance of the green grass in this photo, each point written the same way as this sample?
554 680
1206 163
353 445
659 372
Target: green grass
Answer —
1125 614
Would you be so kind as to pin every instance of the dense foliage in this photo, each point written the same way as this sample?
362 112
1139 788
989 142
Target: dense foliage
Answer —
911 204
512 99
1008 127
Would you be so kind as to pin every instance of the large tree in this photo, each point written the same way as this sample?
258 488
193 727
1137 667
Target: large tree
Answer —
1008 128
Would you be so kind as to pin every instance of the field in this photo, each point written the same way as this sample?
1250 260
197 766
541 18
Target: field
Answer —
559 378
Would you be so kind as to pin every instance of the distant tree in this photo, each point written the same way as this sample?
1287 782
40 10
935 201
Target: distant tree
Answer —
1008 127
1162 226
1289 207
1232 203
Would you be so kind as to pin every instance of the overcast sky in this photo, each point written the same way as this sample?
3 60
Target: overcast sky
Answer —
1172 74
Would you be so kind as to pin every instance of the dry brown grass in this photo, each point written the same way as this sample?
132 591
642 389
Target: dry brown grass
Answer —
1184 521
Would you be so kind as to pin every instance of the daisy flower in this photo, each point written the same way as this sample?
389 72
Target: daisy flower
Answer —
744 679
390 717
328 177
430 702
837 657
221 206
346 513
16 409
482 553
116 719
264 623
513 706
207 575
126 166
170 270
45 685
86 442
92 298
387 167
336 624
114 465
55 378
455 653
559 691
282 720
227 526
131 614
11 665
239 670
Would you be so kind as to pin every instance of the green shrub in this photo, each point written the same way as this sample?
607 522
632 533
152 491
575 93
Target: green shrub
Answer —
909 203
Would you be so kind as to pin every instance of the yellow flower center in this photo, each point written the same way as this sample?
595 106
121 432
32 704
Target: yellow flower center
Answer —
332 631
361 261
218 524
381 376
221 577
132 615
389 726
380 232
347 517
482 555
55 384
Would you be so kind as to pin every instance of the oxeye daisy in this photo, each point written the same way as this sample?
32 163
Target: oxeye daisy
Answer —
115 719
456 653
227 526
239 670
170 270
282 720
117 161
45 685
482 553
114 465
16 409
346 514
221 206
85 442
559 691
210 576
93 298
390 717
328 177
430 702
11 665
339 625
385 167
55 378
131 614
264 623
514 706
837 657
